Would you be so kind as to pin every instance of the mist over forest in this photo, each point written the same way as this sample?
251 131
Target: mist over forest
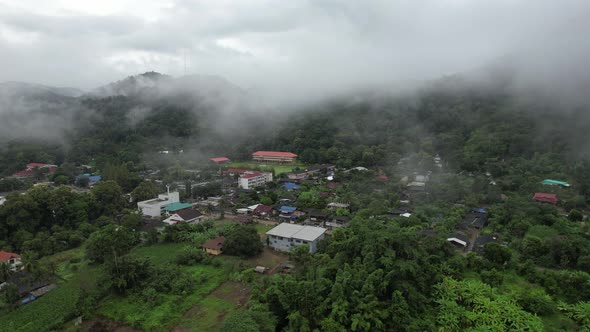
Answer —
294 166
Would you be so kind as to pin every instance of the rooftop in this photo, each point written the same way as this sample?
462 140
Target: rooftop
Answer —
551 182
287 209
219 159
5 256
172 207
274 154
306 233
251 175
215 244
290 186
235 170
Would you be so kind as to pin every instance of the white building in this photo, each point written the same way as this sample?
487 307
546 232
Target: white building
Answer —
155 206
287 236
12 260
251 180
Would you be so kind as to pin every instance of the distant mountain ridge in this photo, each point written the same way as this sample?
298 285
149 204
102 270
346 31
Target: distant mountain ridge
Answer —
12 88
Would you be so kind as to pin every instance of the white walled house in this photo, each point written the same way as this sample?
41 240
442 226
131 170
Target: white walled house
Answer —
12 260
250 180
155 206
286 236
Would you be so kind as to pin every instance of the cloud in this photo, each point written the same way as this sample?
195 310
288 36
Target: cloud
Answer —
290 48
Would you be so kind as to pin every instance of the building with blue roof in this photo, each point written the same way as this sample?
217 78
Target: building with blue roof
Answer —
291 186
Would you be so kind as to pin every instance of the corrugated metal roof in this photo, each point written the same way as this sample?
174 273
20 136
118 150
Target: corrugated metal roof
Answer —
307 233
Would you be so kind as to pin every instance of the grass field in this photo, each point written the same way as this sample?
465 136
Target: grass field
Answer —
278 168
210 312
171 308
51 311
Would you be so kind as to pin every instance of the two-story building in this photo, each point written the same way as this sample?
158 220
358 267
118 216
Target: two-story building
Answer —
286 236
274 156
155 206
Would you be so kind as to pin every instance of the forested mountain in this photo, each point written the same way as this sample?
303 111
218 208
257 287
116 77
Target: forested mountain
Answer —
484 144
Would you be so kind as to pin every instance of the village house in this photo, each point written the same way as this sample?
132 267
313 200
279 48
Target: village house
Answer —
289 213
316 217
545 198
213 201
476 219
214 246
274 156
313 171
458 239
262 211
290 186
481 241
285 237
155 207
337 222
11 259
250 180
31 169
336 205
185 215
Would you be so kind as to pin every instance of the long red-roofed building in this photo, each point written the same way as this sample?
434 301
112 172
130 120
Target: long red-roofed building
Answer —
274 156
219 160
545 198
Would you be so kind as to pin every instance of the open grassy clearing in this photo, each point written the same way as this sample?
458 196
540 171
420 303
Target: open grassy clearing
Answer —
209 313
170 308
278 168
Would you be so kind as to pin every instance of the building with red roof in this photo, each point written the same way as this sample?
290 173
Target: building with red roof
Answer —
219 160
274 156
12 259
234 171
262 210
545 198
29 172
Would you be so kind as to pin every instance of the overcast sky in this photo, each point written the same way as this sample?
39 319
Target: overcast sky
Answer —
283 44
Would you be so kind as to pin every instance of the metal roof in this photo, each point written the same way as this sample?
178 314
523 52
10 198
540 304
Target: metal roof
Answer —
306 233
177 206
274 154
555 182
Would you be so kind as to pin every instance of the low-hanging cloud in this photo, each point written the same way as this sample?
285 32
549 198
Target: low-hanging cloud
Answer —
288 50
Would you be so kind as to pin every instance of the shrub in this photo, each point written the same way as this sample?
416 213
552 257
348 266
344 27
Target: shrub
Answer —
536 301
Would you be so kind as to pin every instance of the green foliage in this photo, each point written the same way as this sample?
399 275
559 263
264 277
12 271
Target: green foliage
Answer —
496 253
125 272
144 191
536 301
472 305
46 313
243 241
110 243
109 198
579 312
239 321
